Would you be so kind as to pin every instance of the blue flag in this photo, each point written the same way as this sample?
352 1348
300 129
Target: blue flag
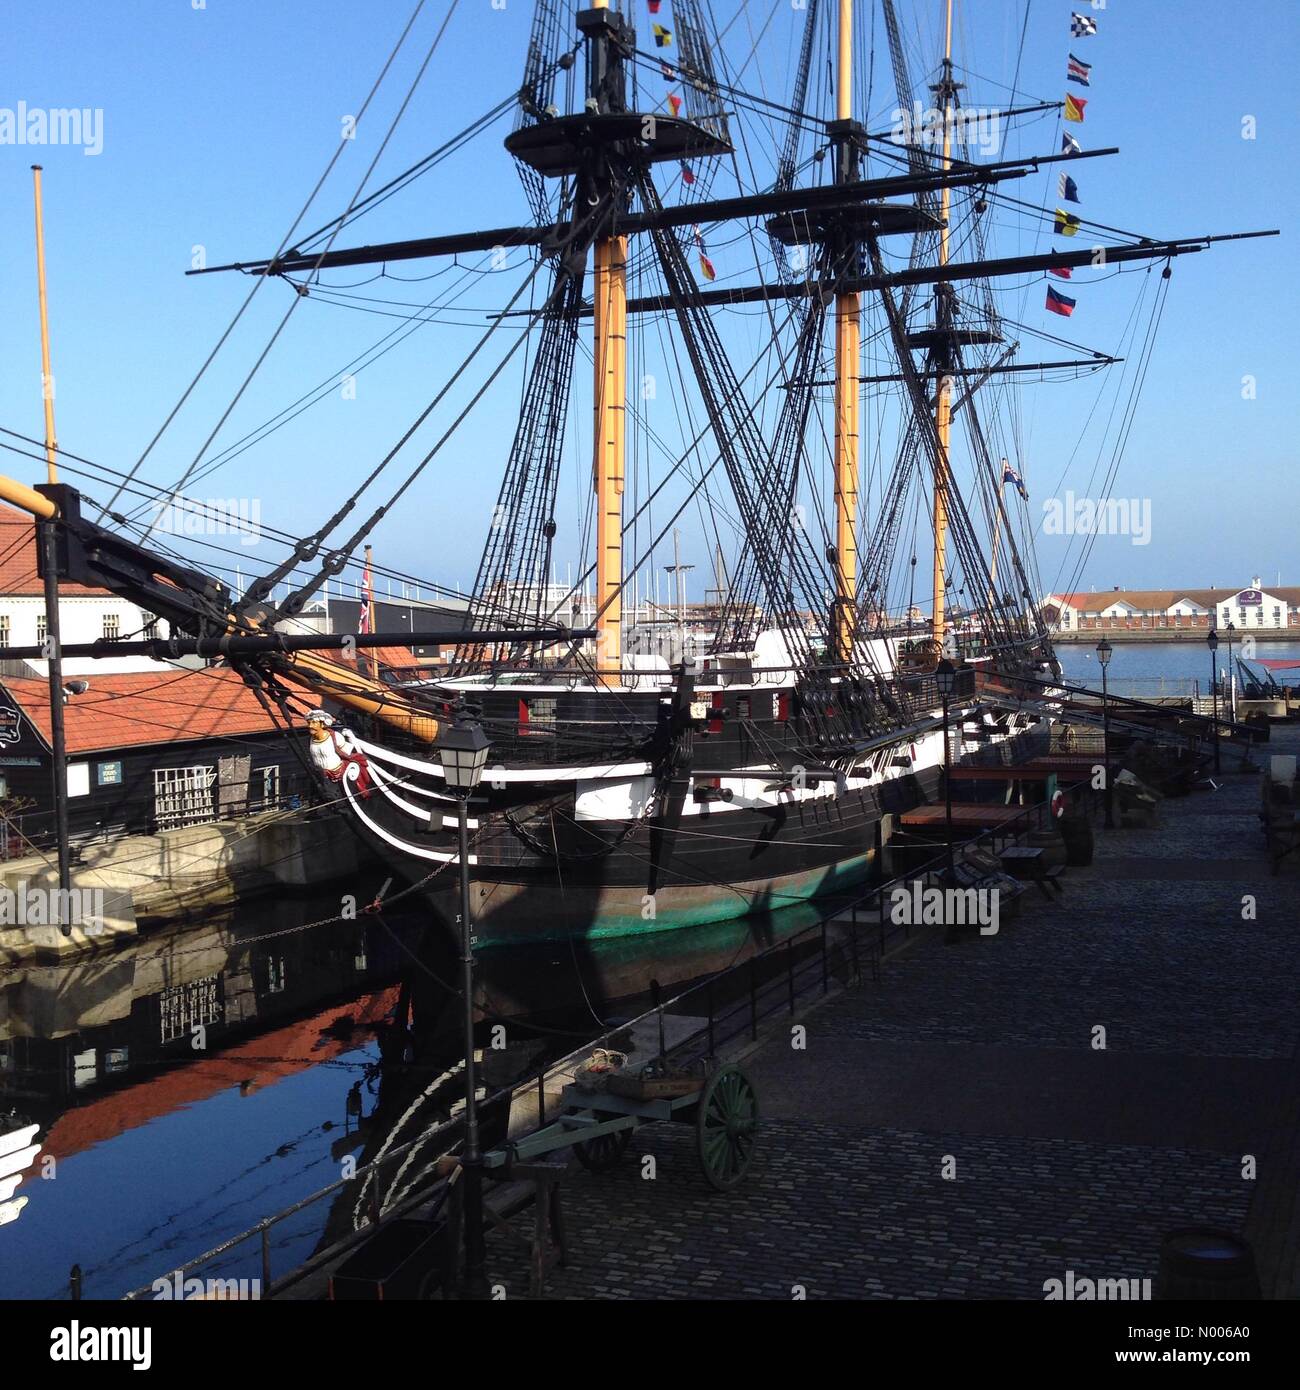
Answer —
1009 475
1068 189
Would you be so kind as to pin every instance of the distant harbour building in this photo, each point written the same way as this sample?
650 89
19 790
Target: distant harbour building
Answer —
1254 609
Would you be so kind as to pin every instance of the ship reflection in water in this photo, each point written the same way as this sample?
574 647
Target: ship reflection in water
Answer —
194 1083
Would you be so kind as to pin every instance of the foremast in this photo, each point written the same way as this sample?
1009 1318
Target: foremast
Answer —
946 90
609 306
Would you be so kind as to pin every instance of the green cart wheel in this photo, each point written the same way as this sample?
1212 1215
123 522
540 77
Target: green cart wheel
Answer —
726 1126
604 1151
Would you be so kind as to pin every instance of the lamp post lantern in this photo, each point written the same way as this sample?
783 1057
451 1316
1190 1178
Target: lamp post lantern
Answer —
464 751
1212 641
1104 651
945 678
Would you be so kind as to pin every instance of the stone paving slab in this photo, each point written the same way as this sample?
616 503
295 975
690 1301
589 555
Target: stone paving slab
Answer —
981 1056
1109 1097
848 1213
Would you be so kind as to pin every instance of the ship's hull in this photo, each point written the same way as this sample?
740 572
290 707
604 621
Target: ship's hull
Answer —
545 869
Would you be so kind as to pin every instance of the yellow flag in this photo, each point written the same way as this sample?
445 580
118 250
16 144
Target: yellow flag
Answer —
1074 107
1066 224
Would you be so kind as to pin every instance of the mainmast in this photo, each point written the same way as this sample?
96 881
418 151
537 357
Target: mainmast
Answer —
609 304
848 348
945 89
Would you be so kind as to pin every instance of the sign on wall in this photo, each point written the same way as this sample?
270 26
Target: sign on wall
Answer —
1250 598
108 774
11 724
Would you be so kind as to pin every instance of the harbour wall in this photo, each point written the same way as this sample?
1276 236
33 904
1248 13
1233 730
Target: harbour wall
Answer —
149 880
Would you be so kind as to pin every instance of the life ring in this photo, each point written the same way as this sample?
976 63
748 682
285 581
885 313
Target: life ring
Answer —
1058 804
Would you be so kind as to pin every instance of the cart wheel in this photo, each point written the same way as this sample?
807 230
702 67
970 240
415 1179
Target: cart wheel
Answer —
604 1151
726 1123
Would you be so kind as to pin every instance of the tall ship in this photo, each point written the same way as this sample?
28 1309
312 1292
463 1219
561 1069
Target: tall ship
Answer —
860 471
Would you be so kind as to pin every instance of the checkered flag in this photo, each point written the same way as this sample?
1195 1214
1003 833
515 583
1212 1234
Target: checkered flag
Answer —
1082 26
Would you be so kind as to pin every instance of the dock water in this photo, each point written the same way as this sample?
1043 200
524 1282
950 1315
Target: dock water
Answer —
963 1128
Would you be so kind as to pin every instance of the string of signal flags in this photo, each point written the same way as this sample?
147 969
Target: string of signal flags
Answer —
663 38
1066 223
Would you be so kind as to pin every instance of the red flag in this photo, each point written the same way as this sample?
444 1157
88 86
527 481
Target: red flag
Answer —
1060 303
654 6
706 265
1062 272
675 102
688 176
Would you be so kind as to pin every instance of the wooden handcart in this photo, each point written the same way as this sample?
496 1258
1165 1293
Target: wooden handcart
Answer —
598 1125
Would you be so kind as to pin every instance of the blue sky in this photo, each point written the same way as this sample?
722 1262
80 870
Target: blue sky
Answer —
217 122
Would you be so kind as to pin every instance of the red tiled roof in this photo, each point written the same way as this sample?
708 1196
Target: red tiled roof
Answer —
18 575
144 707
397 658
264 1059
1162 599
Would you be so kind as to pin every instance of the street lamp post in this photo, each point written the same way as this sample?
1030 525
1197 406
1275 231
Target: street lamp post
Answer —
1232 675
1212 641
464 749
1104 650
945 677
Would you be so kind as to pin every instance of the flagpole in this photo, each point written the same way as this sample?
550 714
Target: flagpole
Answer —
47 536
368 598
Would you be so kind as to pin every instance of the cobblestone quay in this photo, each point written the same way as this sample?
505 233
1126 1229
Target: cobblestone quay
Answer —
995 1113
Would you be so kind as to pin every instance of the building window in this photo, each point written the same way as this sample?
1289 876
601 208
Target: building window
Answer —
112 627
182 1008
150 626
184 796
4 629
40 628
1277 618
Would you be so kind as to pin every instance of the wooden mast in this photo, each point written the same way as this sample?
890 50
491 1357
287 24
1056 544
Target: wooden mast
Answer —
609 304
943 409
47 381
848 316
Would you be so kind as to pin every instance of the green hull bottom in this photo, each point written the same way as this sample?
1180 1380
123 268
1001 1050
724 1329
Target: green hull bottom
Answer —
509 915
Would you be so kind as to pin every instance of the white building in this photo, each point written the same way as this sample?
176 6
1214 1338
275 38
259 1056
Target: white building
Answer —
1252 609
